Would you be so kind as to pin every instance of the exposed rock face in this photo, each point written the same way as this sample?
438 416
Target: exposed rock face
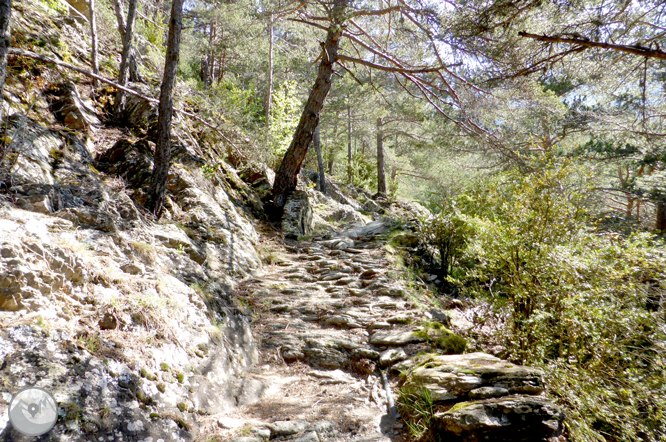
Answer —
297 215
511 418
495 400
111 311
70 109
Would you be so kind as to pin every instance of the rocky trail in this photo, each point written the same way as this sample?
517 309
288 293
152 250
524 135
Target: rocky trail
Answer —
333 319
315 308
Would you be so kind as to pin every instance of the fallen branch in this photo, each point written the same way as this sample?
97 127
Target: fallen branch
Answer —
29 54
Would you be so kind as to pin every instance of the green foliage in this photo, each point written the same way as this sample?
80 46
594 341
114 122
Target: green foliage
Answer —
447 231
285 113
442 338
574 298
364 171
416 406
56 5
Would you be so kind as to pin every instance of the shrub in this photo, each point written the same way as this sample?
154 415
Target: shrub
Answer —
574 297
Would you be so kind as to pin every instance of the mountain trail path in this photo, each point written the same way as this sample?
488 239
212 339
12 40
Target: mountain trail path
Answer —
329 320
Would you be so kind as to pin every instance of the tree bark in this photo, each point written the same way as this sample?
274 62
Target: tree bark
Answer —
155 202
93 32
350 174
287 174
269 93
661 216
320 161
127 36
381 175
5 38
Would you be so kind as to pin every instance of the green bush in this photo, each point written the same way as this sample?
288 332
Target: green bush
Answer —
574 298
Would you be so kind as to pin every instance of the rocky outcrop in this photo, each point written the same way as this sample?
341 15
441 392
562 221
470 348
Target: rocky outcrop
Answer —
297 215
491 399
131 324
70 109
510 419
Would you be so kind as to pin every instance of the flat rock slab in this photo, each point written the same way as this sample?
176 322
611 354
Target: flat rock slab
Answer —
475 375
515 419
394 338
287 428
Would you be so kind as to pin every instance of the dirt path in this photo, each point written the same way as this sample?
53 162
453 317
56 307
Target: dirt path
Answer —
316 308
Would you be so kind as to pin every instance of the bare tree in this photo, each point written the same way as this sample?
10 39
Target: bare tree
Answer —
269 92
155 202
320 161
126 29
94 49
5 38
381 175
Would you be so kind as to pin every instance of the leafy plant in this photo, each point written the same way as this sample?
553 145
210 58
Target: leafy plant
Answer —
574 298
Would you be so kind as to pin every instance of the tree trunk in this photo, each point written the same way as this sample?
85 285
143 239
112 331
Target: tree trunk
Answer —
155 201
269 93
381 175
661 215
93 32
350 174
287 174
320 161
5 38
127 48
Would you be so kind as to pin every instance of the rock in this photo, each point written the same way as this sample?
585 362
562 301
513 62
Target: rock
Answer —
391 356
488 392
108 321
246 439
140 113
310 436
374 228
287 428
372 207
507 419
332 376
369 274
131 161
68 107
297 215
345 214
379 325
230 423
453 377
395 338
405 239
442 338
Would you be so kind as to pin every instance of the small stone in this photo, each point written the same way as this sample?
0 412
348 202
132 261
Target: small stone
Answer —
395 338
379 325
287 428
308 437
108 322
230 423
488 392
391 356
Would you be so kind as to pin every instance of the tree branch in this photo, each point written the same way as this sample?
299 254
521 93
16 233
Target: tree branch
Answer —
387 68
629 49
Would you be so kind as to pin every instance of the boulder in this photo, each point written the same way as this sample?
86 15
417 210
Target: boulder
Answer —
70 109
513 418
453 378
297 215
